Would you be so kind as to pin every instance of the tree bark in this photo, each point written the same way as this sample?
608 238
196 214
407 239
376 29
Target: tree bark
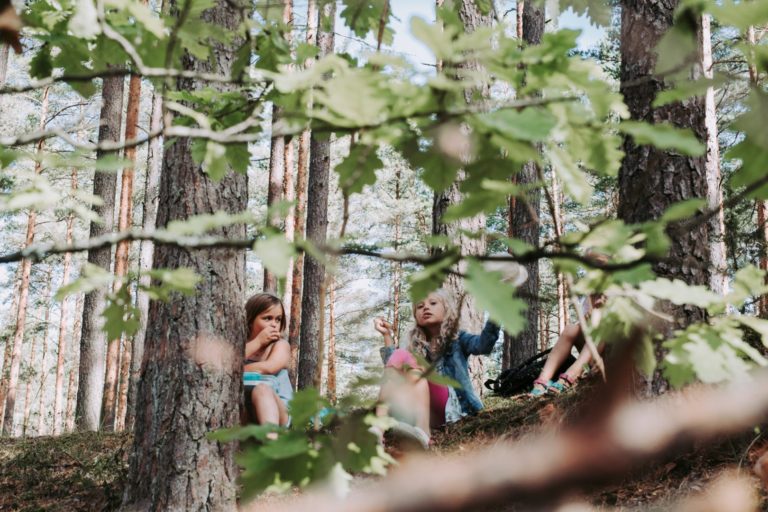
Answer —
397 266
559 222
302 176
21 315
93 339
61 349
331 383
69 424
289 182
8 352
719 276
470 318
317 227
28 385
762 224
125 221
43 368
191 374
5 52
146 248
524 213
651 179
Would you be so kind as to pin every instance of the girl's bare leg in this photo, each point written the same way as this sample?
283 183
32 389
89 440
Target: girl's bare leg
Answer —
406 396
268 406
568 338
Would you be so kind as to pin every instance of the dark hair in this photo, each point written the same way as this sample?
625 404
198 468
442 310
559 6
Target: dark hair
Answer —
259 303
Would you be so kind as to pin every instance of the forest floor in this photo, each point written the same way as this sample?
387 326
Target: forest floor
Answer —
82 472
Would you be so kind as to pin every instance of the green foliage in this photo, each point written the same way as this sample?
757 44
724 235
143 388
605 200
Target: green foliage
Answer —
664 136
496 297
322 444
275 252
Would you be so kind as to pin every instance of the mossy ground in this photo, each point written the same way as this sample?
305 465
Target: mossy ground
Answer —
86 472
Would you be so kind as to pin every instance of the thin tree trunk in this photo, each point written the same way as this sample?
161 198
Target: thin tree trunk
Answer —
69 424
524 211
7 353
317 226
5 52
115 414
559 222
21 315
146 248
191 374
718 280
302 175
93 339
397 266
61 350
331 386
43 368
28 389
651 179
289 183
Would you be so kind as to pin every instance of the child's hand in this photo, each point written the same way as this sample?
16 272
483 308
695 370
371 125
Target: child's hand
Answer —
382 326
267 335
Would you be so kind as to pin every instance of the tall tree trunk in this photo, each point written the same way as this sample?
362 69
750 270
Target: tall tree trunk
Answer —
397 269
524 215
21 315
470 318
146 248
93 340
559 222
69 423
277 164
651 179
5 51
302 176
331 386
28 385
43 368
289 182
114 414
317 227
191 374
762 218
718 280
61 349
7 353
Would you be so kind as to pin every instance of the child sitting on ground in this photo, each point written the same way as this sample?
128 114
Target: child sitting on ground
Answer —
267 355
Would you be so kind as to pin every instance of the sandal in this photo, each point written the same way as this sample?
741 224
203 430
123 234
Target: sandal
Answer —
563 384
540 388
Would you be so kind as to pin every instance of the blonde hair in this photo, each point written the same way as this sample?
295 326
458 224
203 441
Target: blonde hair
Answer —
418 339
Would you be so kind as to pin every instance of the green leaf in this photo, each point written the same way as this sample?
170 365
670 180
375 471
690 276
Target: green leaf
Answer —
430 278
181 280
285 447
306 404
741 14
120 314
681 293
664 136
574 180
204 223
275 252
238 157
41 65
683 210
645 357
215 163
92 277
437 38
358 169
530 124
496 297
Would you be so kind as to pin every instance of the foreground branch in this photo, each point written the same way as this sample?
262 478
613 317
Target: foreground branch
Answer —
546 467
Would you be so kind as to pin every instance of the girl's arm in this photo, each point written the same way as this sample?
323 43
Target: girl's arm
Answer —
279 358
480 344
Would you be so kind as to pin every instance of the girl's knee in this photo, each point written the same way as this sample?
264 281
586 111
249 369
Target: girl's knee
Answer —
261 392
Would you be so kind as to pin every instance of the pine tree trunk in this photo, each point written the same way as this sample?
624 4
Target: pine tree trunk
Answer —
7 353
61 349
114 413
21 315
651 179
470 318
146 248
302 176
43 368
397 269
5 52
93 340
69 423
762 225
289 182
28 385
559 222
719 276
524 215
190 382
331 386
317 226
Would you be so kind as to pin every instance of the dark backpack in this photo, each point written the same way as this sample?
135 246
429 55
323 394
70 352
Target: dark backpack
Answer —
514 381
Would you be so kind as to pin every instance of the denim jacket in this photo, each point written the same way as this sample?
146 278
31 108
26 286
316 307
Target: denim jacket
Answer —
455 362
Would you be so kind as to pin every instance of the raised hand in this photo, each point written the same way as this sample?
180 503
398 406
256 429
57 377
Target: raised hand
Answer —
382 326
